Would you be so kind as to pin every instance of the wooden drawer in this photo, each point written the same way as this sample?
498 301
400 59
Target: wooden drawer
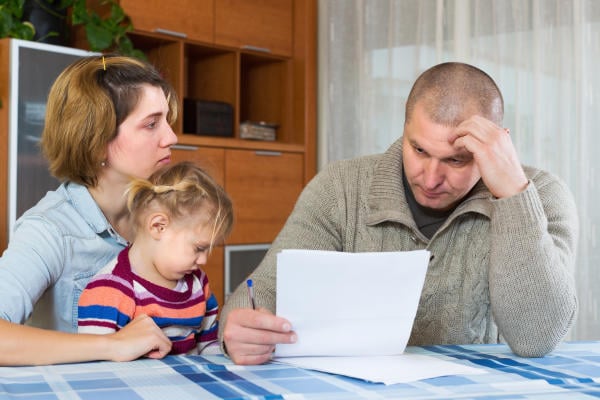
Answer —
264 187
255 24
194 18
211 159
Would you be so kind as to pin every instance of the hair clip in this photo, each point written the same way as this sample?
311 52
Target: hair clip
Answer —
104 63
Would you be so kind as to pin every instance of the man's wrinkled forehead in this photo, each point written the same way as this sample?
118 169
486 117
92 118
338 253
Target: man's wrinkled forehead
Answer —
449 113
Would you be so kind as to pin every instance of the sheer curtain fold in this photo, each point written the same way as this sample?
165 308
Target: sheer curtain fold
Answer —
544 55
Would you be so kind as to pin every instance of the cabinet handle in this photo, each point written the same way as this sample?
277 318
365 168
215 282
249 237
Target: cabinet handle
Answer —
267 153
256 48
184 147
170 33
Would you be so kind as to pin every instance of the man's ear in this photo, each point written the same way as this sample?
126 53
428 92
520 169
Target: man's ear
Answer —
157 224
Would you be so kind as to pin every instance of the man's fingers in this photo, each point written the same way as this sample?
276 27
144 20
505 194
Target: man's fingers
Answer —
477 127
250 335
253 336
252 359
264 320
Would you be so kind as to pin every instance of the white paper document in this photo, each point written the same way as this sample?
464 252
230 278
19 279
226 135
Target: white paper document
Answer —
349 304
384 369
353 314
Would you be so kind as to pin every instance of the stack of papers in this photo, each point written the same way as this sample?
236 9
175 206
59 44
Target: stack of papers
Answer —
383 369
353 314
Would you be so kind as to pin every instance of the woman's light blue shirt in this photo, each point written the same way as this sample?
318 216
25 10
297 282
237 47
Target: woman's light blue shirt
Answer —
54 250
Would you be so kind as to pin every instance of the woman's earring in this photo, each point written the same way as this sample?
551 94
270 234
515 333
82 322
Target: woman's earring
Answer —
103 164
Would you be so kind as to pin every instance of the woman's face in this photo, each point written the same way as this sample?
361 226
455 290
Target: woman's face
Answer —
144 138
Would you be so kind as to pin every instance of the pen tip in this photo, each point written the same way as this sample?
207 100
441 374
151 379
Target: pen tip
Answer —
249 282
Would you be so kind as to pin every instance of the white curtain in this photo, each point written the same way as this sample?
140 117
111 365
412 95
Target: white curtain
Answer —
544 55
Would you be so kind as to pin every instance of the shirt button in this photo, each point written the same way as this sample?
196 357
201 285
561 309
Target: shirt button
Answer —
413 238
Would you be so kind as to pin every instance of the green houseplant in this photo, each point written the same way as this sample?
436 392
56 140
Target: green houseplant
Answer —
105 23
104 32
11 21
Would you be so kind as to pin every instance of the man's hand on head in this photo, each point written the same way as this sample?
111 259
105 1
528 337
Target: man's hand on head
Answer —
494 153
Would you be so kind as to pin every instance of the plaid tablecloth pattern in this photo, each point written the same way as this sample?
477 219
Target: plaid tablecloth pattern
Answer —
572 371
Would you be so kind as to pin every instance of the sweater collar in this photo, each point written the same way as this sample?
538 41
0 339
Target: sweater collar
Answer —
386 199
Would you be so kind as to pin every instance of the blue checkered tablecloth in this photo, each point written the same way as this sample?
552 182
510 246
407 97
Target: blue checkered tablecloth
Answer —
572 371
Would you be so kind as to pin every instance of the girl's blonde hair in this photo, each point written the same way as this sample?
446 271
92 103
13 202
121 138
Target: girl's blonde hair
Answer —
86 104
181 190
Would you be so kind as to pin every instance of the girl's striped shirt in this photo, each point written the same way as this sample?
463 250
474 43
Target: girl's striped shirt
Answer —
187 314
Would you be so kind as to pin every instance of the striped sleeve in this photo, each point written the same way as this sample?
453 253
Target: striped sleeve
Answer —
208 335
106 305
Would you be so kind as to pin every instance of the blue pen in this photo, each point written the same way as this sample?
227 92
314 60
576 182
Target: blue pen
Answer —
250 285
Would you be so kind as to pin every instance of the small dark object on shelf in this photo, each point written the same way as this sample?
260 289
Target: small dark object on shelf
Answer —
207 118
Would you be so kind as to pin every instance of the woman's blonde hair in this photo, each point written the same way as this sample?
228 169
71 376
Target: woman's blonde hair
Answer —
86 104
181 190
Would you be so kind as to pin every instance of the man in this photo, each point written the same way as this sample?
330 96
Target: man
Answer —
502 236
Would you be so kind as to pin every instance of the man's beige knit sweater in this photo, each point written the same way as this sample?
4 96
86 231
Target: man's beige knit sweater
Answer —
502 269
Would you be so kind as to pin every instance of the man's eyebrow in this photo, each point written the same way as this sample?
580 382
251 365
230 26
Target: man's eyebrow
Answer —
463 156
413 143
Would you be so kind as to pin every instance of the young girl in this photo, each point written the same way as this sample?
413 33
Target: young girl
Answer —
178 214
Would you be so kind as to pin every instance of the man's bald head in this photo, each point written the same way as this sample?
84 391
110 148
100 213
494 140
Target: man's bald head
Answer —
452 92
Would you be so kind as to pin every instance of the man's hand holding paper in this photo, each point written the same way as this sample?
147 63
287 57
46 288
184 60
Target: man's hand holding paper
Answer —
349 304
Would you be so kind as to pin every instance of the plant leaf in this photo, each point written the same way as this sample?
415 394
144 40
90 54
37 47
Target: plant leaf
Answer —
98 37
24 31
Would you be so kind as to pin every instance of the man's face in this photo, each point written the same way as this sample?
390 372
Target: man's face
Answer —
438 174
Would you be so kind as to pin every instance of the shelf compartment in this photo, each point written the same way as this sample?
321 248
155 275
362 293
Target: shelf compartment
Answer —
265 93
211 74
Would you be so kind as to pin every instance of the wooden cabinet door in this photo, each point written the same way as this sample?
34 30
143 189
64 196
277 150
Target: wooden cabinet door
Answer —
258 24
192 18
209 158
264 187
214 269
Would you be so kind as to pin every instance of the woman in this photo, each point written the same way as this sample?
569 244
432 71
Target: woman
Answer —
107 121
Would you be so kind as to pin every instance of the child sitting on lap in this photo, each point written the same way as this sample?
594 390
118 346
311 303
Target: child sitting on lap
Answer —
178 214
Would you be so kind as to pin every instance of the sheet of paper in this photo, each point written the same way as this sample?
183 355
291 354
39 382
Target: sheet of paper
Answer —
349 304
384 369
